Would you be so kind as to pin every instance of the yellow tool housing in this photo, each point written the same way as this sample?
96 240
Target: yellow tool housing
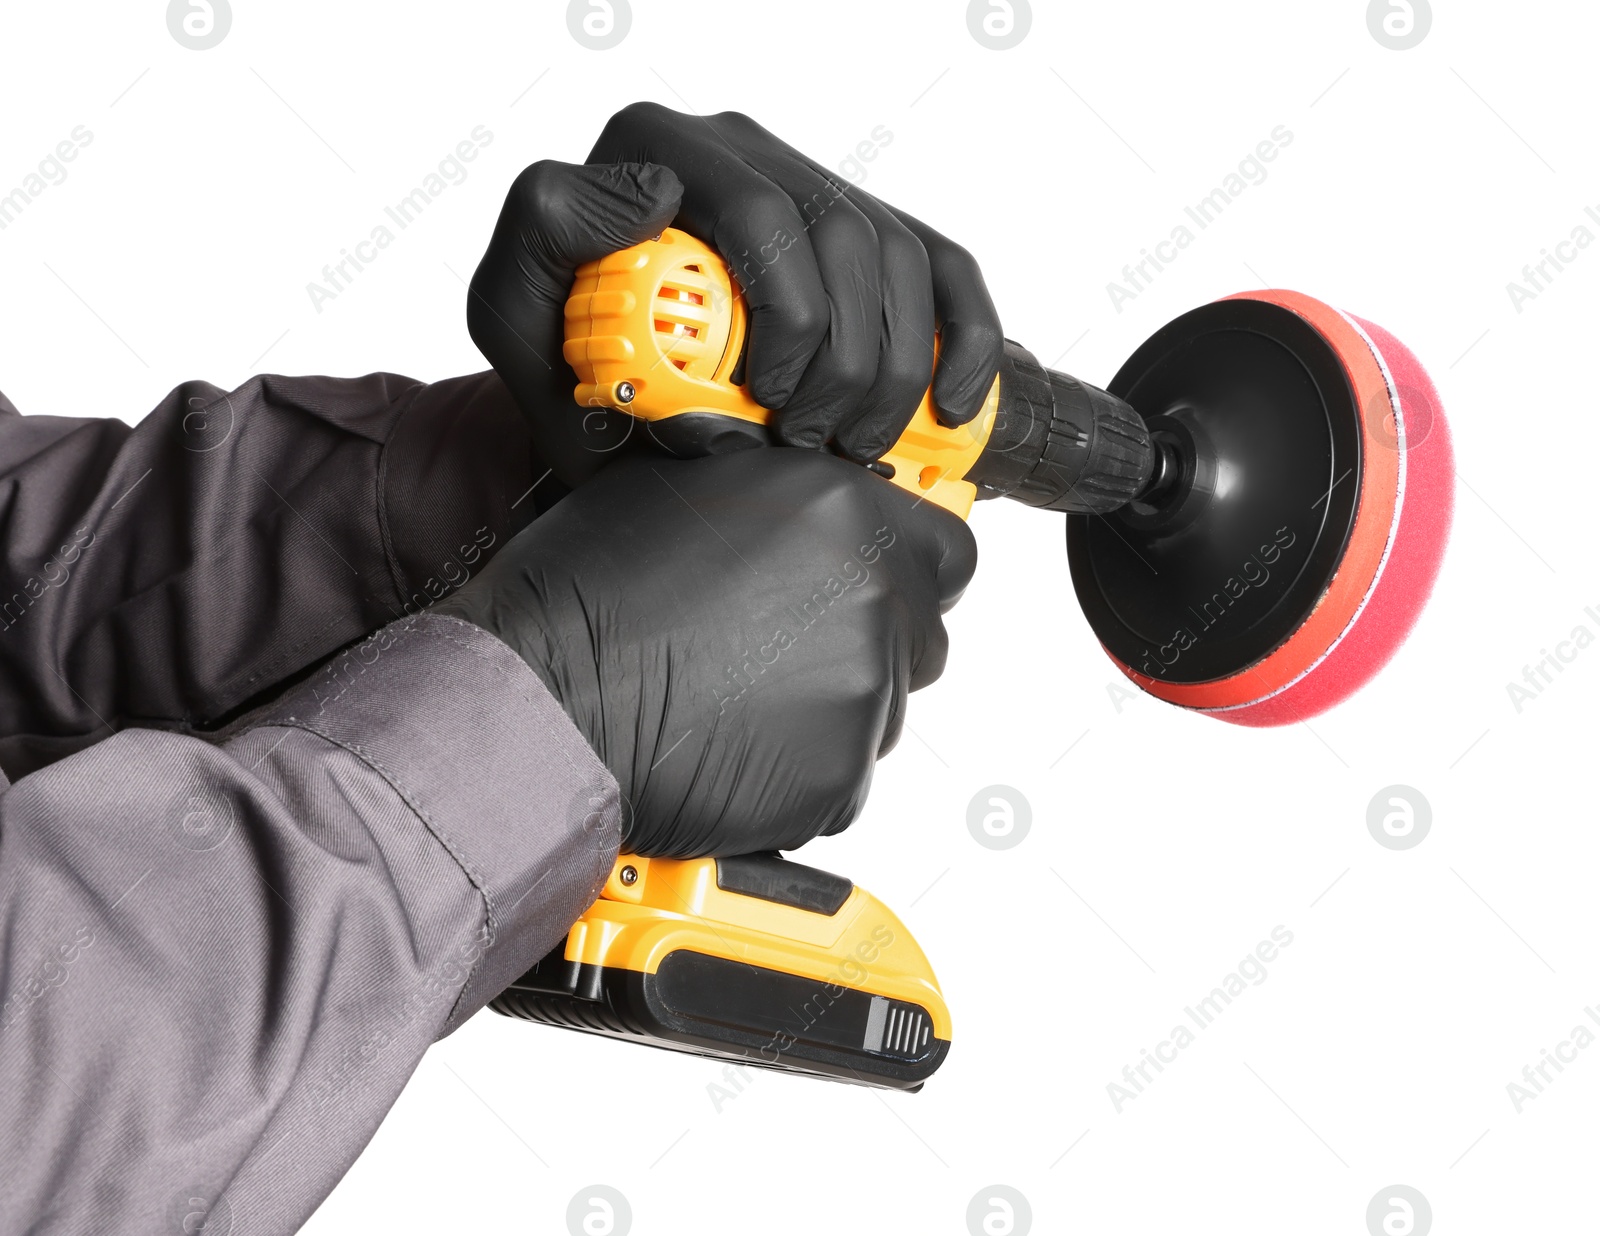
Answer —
657 331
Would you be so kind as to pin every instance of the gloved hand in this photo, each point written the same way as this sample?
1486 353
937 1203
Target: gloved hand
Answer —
735 635
844 292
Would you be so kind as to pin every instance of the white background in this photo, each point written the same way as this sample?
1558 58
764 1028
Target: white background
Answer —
1418 183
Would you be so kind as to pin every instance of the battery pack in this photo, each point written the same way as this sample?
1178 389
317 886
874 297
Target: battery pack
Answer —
754 959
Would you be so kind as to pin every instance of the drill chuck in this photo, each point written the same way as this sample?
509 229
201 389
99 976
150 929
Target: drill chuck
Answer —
1061 444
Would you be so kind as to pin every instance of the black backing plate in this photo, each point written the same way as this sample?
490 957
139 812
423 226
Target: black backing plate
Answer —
1212 595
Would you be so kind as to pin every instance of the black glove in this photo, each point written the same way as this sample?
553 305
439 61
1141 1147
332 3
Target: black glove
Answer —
844 292
735 636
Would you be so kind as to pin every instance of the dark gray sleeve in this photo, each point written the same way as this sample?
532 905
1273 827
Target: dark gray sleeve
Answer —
220 963
172 573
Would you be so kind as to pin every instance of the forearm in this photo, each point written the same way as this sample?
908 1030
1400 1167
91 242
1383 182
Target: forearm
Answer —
221 963
168 573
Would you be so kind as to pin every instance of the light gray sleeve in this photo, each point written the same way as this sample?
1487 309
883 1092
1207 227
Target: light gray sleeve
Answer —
220 963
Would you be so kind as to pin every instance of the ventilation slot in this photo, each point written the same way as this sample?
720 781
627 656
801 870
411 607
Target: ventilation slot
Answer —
682 320
906 1031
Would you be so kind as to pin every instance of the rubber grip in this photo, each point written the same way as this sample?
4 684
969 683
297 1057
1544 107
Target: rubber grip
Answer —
1061 444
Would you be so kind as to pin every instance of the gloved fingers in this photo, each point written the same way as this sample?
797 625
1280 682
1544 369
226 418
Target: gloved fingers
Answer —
940 542
894 722
905 349
835 806
941 551
959 559
558 216
840 818
763 239
751 221
971 341
574 213
845 364
925 664
841 381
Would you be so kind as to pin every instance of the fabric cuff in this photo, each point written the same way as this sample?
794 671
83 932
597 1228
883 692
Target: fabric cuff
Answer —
478 748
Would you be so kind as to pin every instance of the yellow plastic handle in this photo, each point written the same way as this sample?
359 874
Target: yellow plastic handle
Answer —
657 330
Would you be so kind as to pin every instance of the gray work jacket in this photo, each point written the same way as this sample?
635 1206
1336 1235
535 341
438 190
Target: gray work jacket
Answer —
268 828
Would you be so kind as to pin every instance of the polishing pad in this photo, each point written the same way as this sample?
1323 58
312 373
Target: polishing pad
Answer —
1297 520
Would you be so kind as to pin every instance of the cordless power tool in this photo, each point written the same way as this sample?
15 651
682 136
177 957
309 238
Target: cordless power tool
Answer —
1256 509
